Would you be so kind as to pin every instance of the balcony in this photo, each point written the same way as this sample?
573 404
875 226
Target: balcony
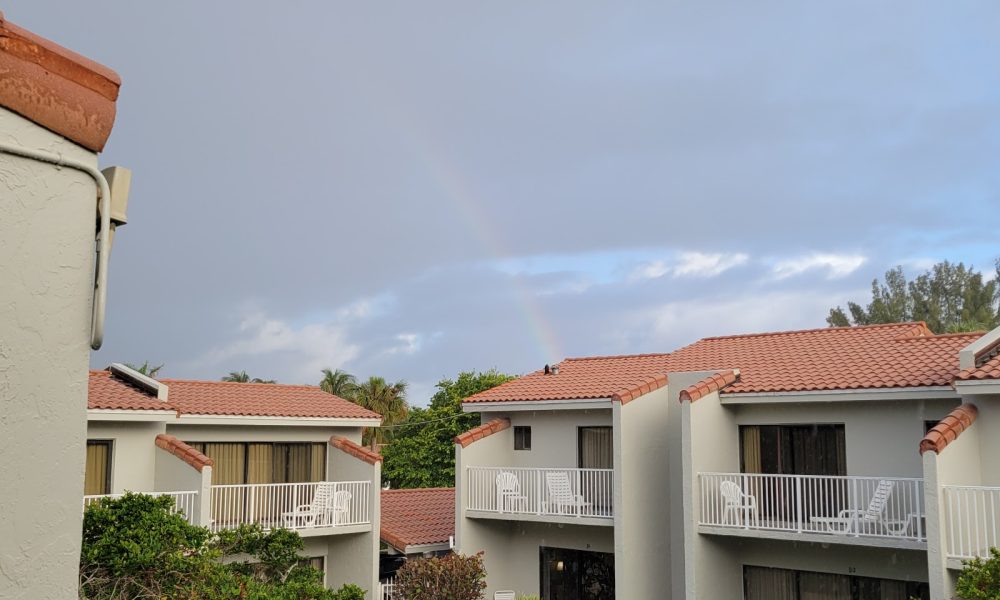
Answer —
870 511
579 496
972 522
184 502
319 508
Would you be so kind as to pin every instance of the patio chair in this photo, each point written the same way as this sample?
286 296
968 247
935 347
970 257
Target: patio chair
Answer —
561 496
737 504
860 521
321 510
509 495
504 595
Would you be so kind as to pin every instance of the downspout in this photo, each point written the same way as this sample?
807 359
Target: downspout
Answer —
103 233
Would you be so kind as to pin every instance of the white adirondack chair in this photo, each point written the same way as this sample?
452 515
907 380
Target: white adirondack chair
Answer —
738 504
561 496
319 512
504 595
860 521
509 495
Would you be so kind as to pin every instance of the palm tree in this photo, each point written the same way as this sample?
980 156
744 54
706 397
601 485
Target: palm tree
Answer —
388 400
339 383
145 368
242 377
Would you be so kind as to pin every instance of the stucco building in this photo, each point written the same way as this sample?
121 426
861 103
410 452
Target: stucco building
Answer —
57 109
842 463
235 453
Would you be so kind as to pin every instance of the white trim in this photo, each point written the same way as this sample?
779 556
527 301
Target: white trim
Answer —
859 395
529 405
103 414
143 381
988 386
421 548
206 419
967 355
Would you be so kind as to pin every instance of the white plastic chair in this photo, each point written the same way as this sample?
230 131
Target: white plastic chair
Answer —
561 494
737 504
504 595
858 520
509 495
319 511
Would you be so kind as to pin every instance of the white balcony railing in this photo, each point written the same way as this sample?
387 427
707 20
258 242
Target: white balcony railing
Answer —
574 492
387 590
972 520
886 507
184 502
292 505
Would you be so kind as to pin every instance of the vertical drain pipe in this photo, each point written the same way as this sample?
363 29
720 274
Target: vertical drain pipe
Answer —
103 239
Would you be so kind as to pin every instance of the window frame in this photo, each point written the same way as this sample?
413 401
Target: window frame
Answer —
522 433
109 465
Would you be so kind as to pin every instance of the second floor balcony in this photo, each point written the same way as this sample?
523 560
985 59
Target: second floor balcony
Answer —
972 522
873 511
567 495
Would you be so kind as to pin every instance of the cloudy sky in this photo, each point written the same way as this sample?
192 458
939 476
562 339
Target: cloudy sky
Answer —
412 189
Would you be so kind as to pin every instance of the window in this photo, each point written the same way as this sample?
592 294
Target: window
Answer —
764 583
793 449
97 478
522 437
595 448
316 562
265 462
576 574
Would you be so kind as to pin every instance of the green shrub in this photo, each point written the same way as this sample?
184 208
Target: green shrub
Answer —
453 577
135 548
980 578
349 592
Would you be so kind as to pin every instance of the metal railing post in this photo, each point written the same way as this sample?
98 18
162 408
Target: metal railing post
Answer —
798 502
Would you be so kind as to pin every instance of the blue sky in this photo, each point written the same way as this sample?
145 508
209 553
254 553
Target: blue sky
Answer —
415 189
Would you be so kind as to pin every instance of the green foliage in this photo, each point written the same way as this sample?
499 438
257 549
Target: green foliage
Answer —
388 400
134 548
531 597
948 297
146 368
422 452
242 377
980 579
339 383
452 577
349 592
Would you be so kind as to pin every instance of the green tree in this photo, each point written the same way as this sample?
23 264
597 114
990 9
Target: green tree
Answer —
146 368
339 383
949 297
242 377
422 452
136 548
388 400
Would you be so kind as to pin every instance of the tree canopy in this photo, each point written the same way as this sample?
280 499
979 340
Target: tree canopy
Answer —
146 368
949 297
388 400
339 383
242 377
422 452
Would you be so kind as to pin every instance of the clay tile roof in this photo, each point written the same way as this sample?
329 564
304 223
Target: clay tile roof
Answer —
56 88
485 430
949 428
260 400
895 355
107 392
712 383
417 517
183 451
988 370
355 450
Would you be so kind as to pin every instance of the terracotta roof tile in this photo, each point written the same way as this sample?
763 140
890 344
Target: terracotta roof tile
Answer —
485 430
837 358
56 88
260 400
355 450
107 392
183 451
988 370
949 428
712 383
417 517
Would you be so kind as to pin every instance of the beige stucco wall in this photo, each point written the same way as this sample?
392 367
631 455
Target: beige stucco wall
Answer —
353 558
642 510
259 433
133 453
46 268
553 436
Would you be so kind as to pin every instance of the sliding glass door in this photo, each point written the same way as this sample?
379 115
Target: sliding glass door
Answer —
765 583
577 574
